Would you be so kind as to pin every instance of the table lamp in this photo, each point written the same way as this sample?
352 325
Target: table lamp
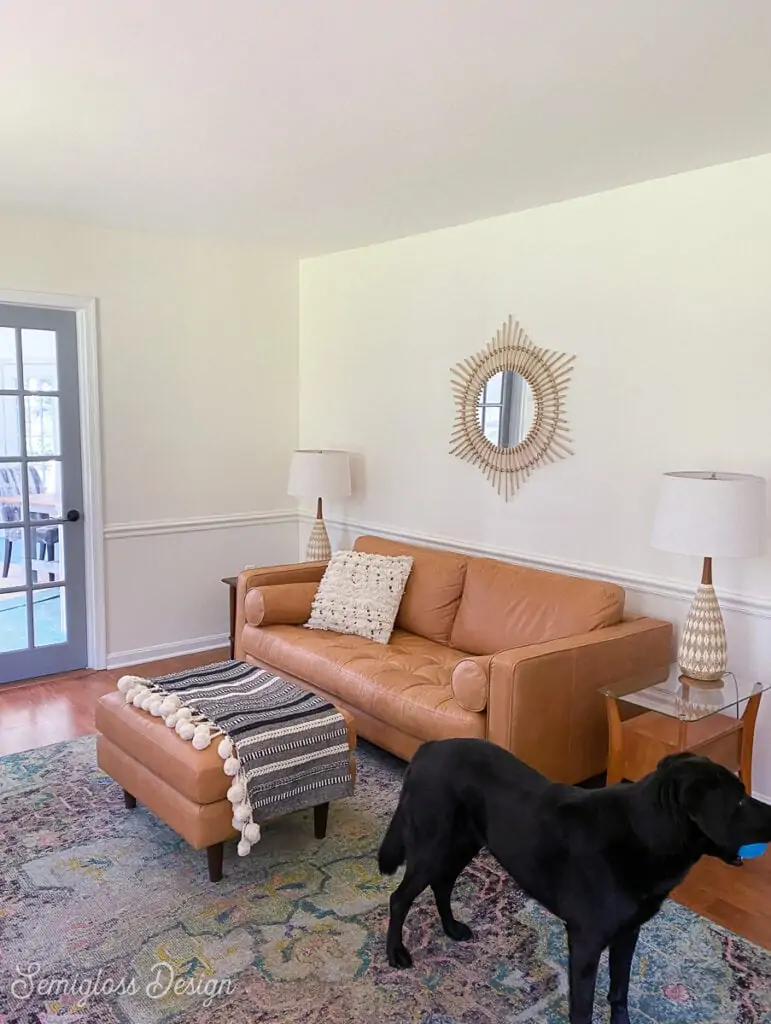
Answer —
710 515
319 473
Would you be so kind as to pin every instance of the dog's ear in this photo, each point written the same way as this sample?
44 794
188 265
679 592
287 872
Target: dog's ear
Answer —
707 803
702 805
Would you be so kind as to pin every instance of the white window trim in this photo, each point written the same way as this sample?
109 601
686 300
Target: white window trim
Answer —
84 308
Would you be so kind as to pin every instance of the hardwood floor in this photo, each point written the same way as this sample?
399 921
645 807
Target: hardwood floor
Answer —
737 898
59 708
56 708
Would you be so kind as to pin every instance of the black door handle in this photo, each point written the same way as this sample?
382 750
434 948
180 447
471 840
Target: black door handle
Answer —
72 516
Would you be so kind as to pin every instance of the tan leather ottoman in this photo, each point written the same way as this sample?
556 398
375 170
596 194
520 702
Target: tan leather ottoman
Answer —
185 787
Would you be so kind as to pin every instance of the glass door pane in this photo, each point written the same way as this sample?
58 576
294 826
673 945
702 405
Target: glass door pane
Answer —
14 626
45 489
47 559
12 559
41 418
10 434
10 493
8 365
49 616
38 356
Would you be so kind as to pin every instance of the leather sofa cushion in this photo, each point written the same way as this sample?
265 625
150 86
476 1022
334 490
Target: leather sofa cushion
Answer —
506 605
406 683
280 604
430 600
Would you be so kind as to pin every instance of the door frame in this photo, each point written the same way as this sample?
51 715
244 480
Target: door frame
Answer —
87 329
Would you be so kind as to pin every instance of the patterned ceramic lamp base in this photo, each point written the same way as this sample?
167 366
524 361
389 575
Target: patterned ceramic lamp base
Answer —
703 645
319 549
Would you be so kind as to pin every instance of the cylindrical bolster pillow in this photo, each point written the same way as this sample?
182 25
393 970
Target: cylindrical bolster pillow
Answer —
282 604
470 682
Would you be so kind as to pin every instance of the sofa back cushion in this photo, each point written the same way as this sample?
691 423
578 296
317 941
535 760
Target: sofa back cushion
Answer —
433 590
506 605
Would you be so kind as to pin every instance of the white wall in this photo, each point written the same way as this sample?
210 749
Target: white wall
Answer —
198 365
662 292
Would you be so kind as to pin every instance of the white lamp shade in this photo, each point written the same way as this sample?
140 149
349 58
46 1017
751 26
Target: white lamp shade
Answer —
320 473
711 514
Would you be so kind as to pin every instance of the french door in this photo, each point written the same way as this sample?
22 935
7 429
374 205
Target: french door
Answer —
42 563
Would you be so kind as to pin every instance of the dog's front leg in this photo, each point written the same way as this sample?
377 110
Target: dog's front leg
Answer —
584 951
620 964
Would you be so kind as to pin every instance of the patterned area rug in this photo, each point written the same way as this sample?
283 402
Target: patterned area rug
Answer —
106 916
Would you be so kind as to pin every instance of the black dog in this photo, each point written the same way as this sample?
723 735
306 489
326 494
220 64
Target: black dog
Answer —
603 861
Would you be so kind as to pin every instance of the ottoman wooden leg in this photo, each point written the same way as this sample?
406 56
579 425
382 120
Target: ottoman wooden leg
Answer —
129 800
320 816
214 857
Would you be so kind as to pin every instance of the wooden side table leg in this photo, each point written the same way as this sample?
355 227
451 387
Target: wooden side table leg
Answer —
615 771
682 736
749 718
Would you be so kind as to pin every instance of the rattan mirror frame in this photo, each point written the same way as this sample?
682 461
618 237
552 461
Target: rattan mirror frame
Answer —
548 374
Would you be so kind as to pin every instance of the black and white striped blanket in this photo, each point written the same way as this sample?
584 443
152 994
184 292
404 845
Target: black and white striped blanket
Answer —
285 747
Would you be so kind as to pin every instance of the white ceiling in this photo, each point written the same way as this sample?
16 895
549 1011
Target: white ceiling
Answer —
324 124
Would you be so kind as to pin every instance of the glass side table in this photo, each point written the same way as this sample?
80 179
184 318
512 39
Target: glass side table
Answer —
646 723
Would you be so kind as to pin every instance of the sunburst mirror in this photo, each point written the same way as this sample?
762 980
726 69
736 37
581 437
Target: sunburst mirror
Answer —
510 408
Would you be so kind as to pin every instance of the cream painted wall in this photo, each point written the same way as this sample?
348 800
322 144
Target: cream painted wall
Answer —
661 290
198 366
181 605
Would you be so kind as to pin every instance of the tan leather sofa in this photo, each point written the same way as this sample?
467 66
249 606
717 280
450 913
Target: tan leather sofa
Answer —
481 648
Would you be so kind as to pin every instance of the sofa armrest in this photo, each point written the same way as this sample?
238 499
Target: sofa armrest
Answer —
280 604
543 702
267 576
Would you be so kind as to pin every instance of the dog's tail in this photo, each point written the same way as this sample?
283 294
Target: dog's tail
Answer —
392 853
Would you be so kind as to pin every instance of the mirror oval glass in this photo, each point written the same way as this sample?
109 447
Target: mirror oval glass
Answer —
506 409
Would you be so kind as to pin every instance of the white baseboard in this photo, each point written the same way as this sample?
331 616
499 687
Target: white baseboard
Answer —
123 659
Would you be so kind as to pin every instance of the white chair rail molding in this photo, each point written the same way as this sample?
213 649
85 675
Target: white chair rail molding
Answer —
709 514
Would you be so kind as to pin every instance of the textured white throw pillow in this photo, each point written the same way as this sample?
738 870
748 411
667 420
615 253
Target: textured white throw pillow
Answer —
360 594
